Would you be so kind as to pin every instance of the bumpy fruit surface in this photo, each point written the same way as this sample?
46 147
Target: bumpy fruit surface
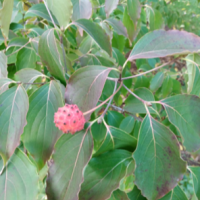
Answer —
69 119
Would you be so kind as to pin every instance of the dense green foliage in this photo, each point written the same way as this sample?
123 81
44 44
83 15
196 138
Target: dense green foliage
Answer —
132 68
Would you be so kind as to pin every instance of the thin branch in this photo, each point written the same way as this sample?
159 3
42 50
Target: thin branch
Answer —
93 109
152 70
123 111
142 100
108 105
20 48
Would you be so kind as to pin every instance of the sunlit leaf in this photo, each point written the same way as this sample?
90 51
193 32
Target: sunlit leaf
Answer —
62 10
5 17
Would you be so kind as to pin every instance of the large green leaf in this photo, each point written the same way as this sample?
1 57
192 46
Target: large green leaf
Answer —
13 109
5 17
158 164
183 112
72 153
176 194
103 174
40 134
110 6
40 11
28 76
3 65
19 179
26 58
62 10
85 87
82 9
133 105
51 54
117 139
193 61
196 180
161 43
96 32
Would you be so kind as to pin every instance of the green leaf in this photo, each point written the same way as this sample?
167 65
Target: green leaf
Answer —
110 6
156 19
40 11
134 10
142 81
5 17
62 10
40 134
127 124
26 58
82 9
3 65
132 29
19 179
116 139
175 194
161 43
103 174
97 33
118 26
51 55
72 153
196 180
114 118
196 88
167 86
4 83
28 76
13 109
135 194
158 164
118 194
133 105
192 62
157 81
85 86
183 112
